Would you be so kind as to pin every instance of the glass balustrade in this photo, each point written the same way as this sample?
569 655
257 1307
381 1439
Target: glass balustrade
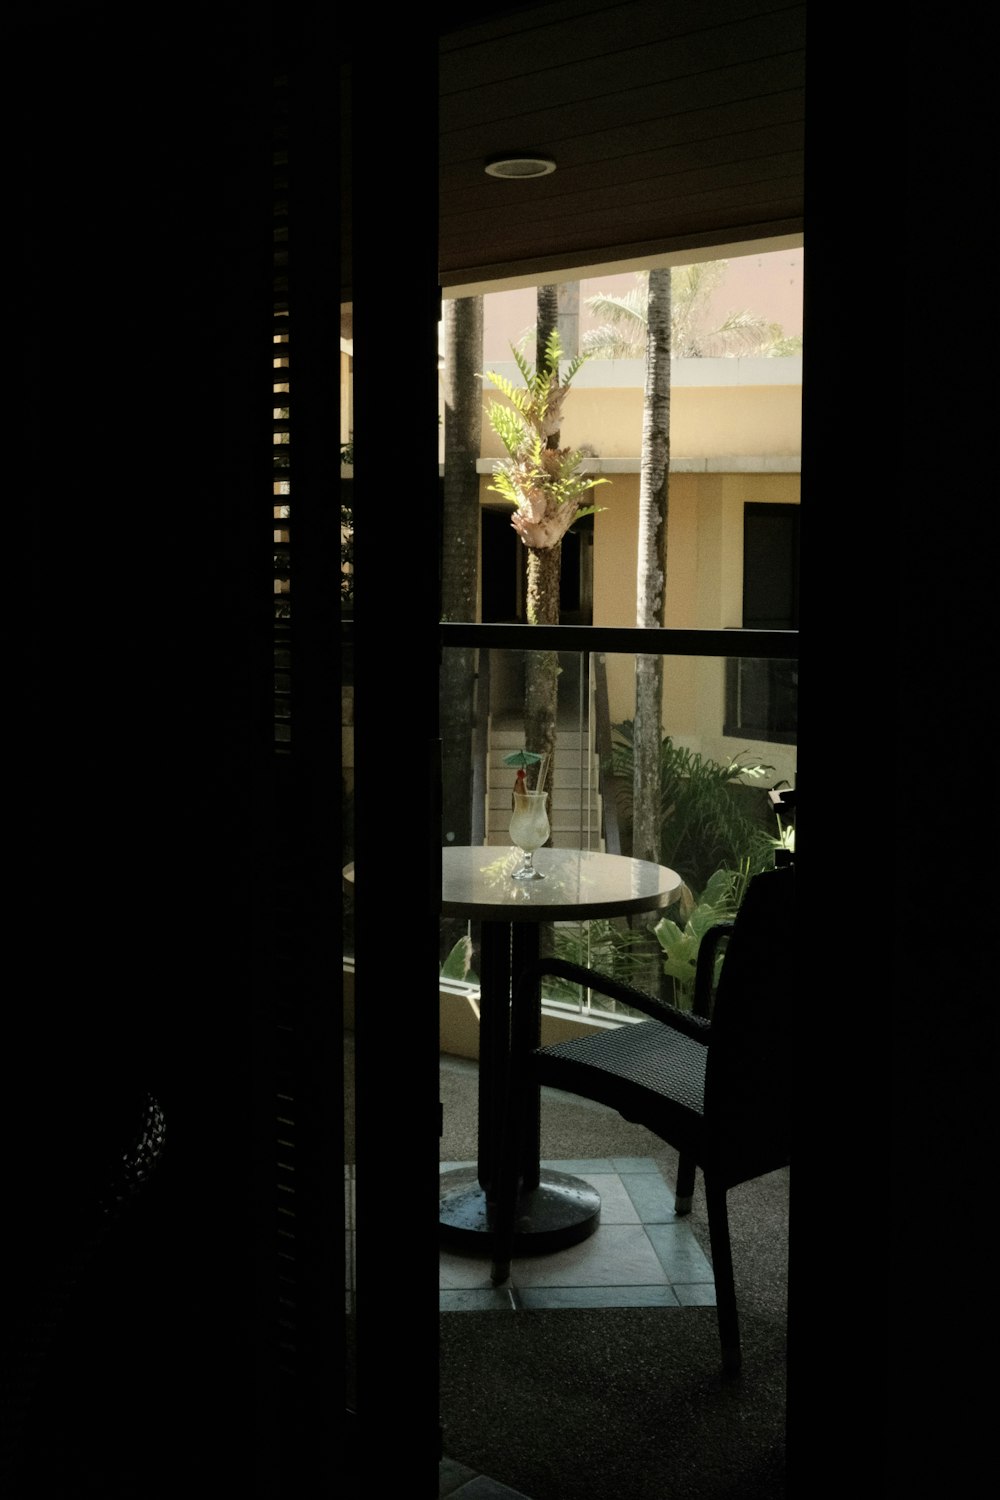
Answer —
715 819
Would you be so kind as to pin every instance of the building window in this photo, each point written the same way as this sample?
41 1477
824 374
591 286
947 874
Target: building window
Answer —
762 693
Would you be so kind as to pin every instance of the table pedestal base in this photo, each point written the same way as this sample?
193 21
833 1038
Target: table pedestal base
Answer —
561 1211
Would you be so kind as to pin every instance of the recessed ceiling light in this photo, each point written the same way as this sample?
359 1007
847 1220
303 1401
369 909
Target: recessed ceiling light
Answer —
520 166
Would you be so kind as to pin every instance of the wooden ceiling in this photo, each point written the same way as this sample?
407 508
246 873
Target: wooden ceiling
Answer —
674 127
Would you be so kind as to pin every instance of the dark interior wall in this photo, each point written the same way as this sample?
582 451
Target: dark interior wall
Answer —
896 580
140 160
139 308
397 613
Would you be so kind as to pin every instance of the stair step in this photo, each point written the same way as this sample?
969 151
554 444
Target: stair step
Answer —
567 759
575 806
569 795
506 741
569 839
558 816
561 825
568 771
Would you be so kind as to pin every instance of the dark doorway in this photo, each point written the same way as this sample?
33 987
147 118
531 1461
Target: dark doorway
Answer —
503 571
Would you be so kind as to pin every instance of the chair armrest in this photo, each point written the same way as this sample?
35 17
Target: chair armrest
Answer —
704 978
616 989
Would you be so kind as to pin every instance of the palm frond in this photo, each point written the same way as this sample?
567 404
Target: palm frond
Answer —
527 373
509 427
553 351
573 367
629 307
785 346
608 342
575 485
591 510
623 336
504 486
514 393
743 332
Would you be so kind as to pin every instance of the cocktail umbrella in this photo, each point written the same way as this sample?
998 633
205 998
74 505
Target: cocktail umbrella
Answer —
521 759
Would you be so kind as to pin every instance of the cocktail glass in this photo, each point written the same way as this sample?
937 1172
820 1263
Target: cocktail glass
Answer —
529 829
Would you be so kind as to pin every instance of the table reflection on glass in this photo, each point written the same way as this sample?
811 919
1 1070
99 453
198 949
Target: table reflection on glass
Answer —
555 1209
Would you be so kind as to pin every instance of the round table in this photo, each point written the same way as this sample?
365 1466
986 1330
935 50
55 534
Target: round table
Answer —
555 1209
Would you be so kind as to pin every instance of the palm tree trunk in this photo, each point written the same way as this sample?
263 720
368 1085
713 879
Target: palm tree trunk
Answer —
541 670
651 568
546 318
463 323
568 316
541 675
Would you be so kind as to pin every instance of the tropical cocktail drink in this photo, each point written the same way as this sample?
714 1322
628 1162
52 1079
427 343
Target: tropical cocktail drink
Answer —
529 829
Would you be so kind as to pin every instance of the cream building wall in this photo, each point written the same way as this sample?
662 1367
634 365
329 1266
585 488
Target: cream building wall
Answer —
704 592
734 408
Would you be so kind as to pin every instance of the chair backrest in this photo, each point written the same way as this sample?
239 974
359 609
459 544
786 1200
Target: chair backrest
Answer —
748 1080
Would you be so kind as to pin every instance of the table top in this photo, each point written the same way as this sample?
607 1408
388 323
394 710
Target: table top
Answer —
579 883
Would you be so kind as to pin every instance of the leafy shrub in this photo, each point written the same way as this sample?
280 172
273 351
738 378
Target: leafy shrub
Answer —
711 816
718 902
610 947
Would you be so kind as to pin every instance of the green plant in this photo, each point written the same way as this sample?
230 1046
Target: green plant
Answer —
718 902
712 817
786 831
601 944
458 964
543 484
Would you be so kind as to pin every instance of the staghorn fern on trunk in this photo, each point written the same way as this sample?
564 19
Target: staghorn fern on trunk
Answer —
542 483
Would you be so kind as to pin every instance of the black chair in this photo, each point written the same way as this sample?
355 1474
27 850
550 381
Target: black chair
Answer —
714 1083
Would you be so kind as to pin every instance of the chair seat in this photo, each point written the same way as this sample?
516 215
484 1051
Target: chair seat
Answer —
650 1074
